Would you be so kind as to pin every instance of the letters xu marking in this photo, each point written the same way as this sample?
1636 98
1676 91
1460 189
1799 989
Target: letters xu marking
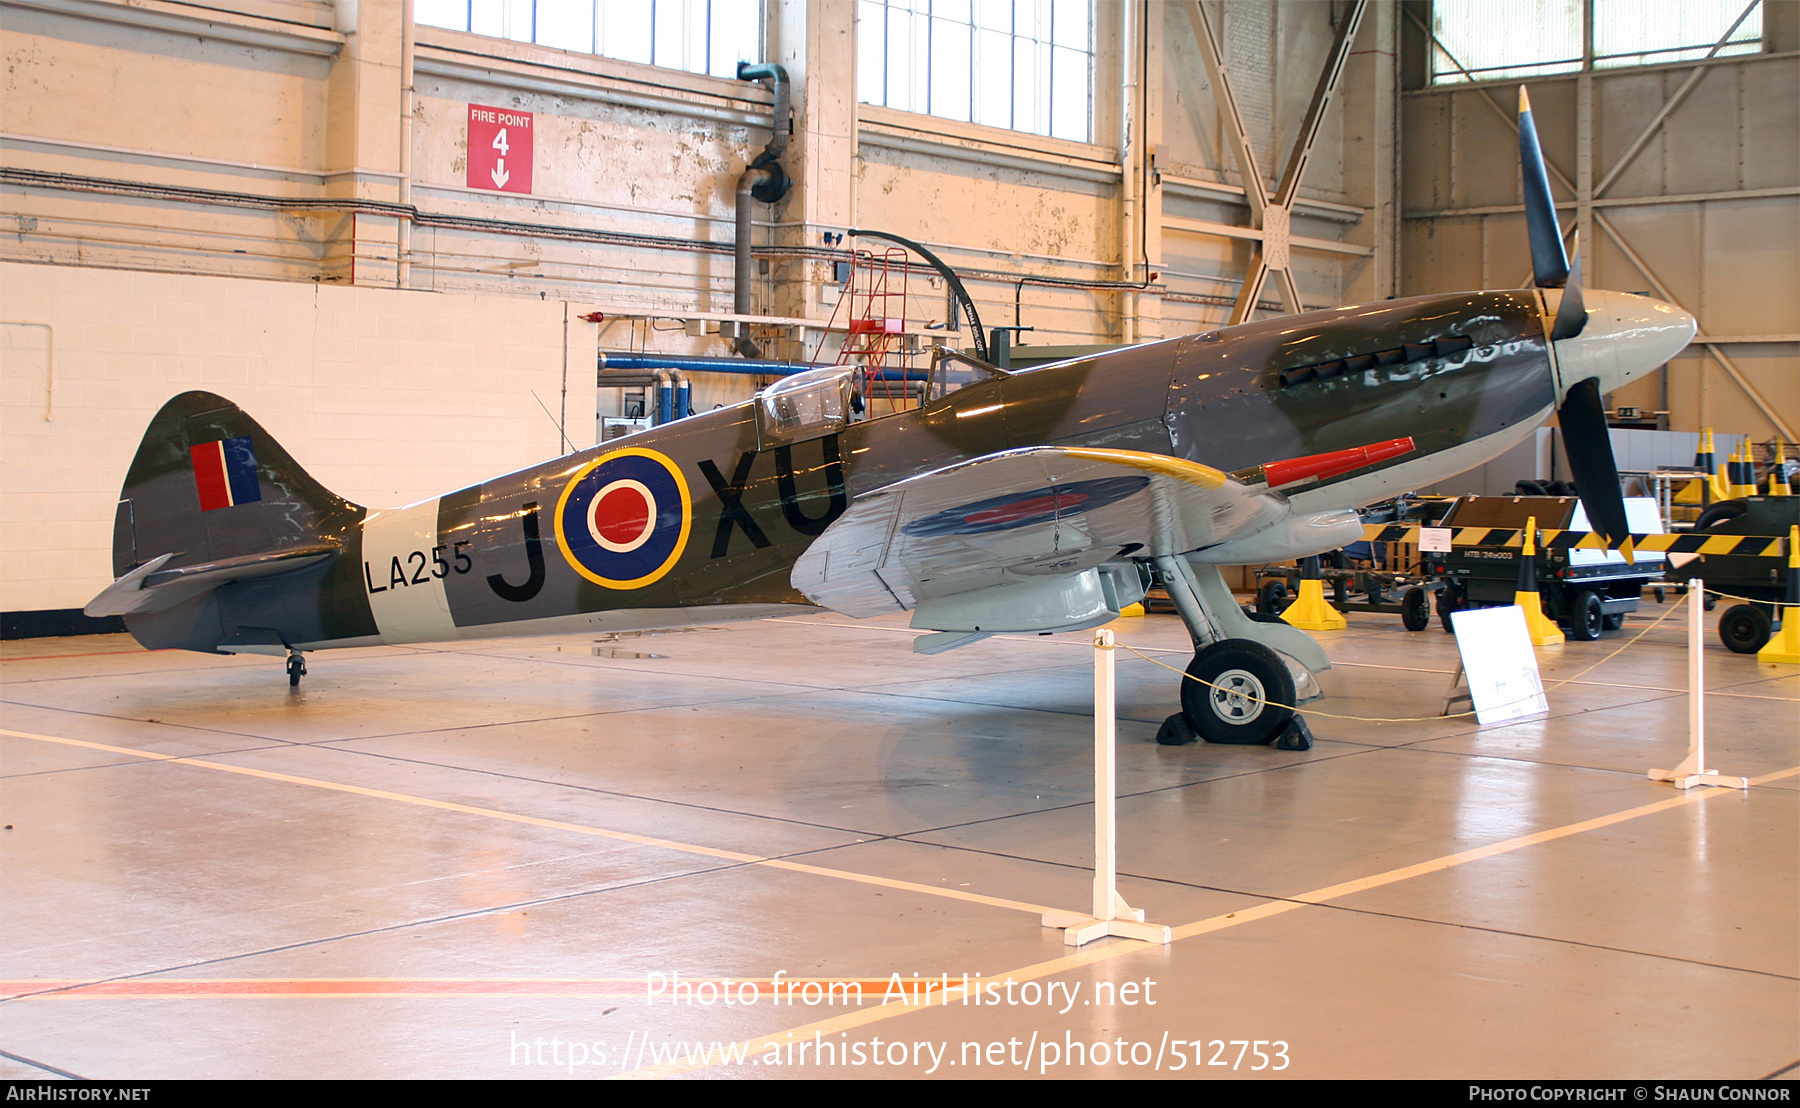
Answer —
623 520
733 515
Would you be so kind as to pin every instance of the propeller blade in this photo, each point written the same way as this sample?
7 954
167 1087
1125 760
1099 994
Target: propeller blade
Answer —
1591 460
1549 265
1571 314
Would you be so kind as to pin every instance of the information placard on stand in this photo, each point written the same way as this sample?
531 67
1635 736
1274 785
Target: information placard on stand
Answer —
1501 666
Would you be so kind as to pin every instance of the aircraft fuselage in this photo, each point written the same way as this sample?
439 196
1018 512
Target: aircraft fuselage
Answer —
1465 375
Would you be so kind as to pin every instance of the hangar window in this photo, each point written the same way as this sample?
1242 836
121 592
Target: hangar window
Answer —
1646 32
700 36
1025 65
1486 40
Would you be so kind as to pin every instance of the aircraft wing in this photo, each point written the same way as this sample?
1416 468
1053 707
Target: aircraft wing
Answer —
1035 512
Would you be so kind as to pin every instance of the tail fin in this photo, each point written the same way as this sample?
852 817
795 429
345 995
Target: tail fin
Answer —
209 483
212 500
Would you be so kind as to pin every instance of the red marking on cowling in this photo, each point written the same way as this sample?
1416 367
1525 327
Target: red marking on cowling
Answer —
1336 462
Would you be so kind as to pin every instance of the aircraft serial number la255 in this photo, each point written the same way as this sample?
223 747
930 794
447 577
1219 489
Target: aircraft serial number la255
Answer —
1034 501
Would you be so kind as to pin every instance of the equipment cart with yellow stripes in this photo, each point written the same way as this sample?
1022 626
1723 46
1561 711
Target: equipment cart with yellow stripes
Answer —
1743 566
1585 589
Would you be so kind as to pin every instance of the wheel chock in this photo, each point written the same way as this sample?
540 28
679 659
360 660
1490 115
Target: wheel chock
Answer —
1177 731
1298 735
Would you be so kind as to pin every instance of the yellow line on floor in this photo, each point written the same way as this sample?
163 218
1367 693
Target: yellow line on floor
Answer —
553 824
1122 947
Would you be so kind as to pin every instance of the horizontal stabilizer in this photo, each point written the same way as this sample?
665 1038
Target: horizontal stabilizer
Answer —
151 588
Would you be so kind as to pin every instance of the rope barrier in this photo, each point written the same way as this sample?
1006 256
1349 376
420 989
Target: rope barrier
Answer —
1407 719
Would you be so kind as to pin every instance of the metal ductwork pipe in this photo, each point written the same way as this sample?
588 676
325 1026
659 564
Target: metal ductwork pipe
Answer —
763 179
665 396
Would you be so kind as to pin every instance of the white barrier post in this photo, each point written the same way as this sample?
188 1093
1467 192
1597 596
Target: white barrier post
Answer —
1111 915
1692 770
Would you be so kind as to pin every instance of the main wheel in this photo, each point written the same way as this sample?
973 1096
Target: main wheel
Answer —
1585 616
1270 596
1744 628
1415 609
1241 693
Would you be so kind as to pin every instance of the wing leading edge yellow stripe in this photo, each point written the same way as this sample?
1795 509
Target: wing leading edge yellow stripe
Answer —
1192 472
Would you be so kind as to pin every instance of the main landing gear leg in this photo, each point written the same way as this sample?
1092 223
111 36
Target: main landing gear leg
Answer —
1241 690
296 667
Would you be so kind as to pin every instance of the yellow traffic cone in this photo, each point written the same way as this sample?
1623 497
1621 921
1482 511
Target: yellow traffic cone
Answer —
1310 611
1537 625
1778 482
1743 471
1706 463
1783 648
1721 480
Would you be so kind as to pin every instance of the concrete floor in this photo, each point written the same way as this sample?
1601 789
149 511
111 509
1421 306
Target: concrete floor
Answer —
470 861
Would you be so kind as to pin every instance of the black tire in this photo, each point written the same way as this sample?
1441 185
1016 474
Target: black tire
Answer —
1253 699
1529 487
1719 513
1612 622
1270 596
1585 616
1415 609
1744 628
1449 599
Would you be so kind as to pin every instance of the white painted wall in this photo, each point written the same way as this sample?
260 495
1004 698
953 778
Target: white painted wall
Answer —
250 283
385 396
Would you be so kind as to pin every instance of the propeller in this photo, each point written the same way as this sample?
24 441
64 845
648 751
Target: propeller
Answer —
1582 415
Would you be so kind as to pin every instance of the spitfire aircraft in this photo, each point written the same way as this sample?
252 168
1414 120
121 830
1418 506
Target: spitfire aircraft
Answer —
1040 500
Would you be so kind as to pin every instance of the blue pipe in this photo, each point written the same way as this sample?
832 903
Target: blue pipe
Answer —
684 405
693 364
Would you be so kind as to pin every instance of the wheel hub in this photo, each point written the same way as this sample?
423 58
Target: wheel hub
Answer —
1237 696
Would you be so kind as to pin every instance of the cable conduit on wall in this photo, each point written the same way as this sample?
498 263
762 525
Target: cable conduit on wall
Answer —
35 178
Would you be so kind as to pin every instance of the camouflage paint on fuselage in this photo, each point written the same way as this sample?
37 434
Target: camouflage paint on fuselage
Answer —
488 560
1216 398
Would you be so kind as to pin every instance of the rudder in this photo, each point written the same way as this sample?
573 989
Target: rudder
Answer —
263 543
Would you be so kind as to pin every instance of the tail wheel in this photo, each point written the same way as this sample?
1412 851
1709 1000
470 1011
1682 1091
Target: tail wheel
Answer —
296 669
1241 693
